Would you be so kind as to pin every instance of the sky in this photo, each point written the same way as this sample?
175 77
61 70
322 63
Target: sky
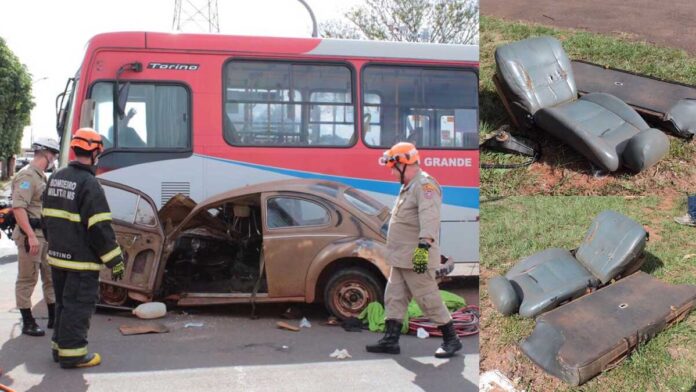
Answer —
49 36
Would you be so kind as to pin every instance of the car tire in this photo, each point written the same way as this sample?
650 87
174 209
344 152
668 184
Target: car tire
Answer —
349 291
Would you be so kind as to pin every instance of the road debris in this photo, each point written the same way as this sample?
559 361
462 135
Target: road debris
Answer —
150 310
332 321
194 325
304 323
284 325
292 313
152 327
495 381
340 354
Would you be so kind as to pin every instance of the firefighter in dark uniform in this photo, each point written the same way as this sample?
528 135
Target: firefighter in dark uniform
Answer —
414 253
27 187
81 241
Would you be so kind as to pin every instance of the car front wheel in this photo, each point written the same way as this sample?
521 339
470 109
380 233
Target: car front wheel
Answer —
349 291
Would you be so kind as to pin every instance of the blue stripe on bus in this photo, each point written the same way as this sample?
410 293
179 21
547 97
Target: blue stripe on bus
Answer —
458 196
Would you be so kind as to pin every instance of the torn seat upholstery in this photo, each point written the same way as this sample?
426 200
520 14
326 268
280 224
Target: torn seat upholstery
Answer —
613 246
535 79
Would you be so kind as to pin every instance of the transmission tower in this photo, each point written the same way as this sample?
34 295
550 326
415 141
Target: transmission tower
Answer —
202 15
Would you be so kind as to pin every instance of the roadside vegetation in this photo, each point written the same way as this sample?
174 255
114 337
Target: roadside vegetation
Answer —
562 171
513 228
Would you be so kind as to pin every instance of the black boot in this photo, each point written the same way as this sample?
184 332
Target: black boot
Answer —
51 315
450 344
89 360
389 344
29 326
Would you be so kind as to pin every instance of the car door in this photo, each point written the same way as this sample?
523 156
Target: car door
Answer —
296 227
140 236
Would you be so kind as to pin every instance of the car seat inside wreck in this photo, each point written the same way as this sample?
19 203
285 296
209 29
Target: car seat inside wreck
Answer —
218 251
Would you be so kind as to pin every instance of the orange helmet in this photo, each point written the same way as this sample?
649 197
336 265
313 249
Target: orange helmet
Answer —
402 152
87 139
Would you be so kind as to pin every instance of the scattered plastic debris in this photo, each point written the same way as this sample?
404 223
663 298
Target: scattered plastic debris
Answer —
495 381
284 325
304 323
422 333
340 354
194 325
150 310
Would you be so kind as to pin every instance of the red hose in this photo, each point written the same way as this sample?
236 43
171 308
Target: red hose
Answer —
466 322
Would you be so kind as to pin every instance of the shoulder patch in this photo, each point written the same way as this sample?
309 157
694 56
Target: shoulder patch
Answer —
428 190
24 185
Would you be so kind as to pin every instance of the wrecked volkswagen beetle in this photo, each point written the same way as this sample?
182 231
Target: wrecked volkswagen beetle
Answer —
281 241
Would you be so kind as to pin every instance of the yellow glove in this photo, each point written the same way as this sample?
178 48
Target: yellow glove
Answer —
117 271
420 258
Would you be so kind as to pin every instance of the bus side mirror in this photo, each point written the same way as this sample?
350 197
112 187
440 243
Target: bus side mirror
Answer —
87 113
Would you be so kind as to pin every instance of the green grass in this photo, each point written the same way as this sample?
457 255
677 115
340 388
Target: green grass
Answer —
565 172
517 227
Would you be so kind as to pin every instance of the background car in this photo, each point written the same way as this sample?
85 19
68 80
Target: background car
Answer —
282 241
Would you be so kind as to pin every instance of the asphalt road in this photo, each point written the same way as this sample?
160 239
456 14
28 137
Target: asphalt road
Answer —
666 24
230 352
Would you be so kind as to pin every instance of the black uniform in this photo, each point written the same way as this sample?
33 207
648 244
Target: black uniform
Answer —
77 224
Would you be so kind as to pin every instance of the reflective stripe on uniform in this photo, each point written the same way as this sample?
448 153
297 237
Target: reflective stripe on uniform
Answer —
62 214
74 265
96 218
110 256
54 346
72 352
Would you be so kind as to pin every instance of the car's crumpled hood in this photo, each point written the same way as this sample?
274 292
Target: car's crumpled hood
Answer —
178 208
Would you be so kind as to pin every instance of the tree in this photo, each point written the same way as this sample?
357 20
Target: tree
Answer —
442 21
15 105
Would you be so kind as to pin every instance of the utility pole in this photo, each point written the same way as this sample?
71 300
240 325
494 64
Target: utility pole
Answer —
201 14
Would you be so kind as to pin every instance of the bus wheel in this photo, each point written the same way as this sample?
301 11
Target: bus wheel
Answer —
349 291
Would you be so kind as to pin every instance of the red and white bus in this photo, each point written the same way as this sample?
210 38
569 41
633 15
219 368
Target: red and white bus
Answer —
200 114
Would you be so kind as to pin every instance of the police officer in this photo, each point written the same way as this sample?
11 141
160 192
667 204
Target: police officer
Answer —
414 253
80 242
27 187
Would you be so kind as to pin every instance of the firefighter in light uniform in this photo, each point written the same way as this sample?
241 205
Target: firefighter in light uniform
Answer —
81 242
27 187
414 253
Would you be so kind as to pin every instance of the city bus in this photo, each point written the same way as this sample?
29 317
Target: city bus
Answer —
201 114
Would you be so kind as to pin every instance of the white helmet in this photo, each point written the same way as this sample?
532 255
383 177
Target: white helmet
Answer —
46 144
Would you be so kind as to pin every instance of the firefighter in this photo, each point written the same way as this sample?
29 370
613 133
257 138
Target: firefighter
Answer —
81 242
27 187
414 253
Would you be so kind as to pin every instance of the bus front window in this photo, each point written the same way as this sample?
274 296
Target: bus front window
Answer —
430 107
156 117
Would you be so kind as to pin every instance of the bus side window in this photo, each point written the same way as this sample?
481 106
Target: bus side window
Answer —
288 104
427 106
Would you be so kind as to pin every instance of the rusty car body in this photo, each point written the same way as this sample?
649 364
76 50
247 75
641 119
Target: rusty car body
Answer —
281 241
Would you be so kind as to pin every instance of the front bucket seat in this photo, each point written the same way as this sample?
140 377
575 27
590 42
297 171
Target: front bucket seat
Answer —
535 80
